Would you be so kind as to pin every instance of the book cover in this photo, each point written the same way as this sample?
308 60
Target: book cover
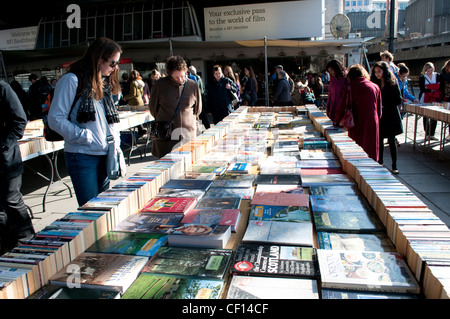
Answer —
252 287
275 260
94 270
278 179
226 217
217 192
338 203
275 170
157 223
275 232
239 168
368 271
279 188
281 199
334 190
234 180
149 286
138 244
328 179
219 203
357 242
179 192
188 184
327 293
169 205
317 163
58 292
197 175
193 262
347 221
296 214
199 236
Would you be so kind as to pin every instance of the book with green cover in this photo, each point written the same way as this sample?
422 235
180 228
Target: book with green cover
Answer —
149 286
194 262
359 242
139 244
343 221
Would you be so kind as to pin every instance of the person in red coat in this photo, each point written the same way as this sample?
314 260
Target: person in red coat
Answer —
337 82
364 99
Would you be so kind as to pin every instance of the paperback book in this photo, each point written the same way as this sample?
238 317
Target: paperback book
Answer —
225 217
283 179
276 232
327 293
296 214
58 292
355 242
252 287
239 168
275 260
151 223
97 270
219 203
193 262
234 180
169 205
125 243
149 286
367 271
179 192
199 236
188 184
218 192
347 221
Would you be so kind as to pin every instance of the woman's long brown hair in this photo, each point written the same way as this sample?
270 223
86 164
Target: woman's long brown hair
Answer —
87 68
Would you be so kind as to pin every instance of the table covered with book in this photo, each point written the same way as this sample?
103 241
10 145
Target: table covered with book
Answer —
269 203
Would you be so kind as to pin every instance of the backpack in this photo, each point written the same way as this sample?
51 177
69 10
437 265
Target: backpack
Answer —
49 134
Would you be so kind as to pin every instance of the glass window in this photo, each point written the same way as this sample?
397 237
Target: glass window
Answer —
167 23
110 25
147 25
90 28
128 27
156 32
137 26
118 25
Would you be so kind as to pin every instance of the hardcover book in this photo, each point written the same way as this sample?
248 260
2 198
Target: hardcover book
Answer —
338 203
367 271
138 244
157 223
281 199
193 262
275 232
239 168
149 286
169 205
96 270
275 260
252 287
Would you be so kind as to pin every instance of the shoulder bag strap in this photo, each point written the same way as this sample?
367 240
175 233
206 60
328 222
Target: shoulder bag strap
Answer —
179 102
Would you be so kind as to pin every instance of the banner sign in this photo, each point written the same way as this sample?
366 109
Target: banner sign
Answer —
18 39
276 20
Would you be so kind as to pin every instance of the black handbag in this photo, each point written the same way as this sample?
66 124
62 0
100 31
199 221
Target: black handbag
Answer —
162 130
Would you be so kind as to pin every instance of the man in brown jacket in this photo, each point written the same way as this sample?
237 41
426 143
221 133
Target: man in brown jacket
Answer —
164 99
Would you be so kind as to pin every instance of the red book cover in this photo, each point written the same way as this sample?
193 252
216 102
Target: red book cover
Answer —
169 205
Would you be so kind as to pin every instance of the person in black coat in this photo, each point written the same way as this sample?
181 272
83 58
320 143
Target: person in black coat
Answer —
390 121
15 223
282 94
218 95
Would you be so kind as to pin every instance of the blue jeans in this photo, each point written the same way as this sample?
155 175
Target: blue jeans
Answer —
88 175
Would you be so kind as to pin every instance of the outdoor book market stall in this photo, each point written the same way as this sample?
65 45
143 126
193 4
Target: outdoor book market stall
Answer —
272 202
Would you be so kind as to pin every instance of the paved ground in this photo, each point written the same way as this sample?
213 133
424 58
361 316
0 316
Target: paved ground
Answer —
424 170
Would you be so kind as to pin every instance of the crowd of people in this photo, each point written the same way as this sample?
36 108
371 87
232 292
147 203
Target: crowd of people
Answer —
376 101
85 103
